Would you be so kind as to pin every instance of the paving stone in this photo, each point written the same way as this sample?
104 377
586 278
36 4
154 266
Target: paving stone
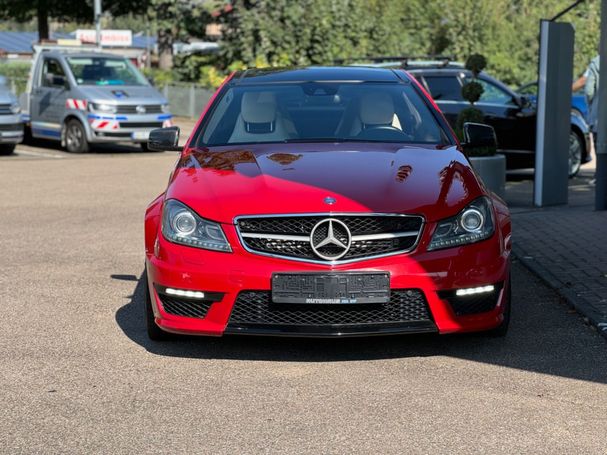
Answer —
565 245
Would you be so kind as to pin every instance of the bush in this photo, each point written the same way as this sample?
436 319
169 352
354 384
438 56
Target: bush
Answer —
159 77
470 114
476 63
16 74
472 91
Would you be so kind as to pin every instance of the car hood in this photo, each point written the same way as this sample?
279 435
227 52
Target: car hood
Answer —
224 182
123 94
6 96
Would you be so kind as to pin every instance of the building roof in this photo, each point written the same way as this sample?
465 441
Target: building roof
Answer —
21 42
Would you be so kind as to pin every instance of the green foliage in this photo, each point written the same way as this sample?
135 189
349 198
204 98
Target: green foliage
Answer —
287 32
470 114
476 63
472 91
159 77
16 74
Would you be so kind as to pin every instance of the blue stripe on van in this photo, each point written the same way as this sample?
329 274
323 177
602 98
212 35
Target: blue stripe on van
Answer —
47 132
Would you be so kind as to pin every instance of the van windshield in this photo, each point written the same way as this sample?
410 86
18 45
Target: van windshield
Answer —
319 112
105 71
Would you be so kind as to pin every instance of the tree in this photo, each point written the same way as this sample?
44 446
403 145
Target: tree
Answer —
43 10
179 20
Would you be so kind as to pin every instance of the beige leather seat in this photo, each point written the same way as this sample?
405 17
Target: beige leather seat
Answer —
259 120
376 108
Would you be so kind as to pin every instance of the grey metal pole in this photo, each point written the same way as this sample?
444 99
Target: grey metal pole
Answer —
600 202
97 11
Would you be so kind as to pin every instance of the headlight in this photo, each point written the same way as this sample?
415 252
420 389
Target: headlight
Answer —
105 108
15 108
473 224
165 108
181 225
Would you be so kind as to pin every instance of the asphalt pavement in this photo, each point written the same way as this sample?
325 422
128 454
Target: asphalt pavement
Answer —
78 375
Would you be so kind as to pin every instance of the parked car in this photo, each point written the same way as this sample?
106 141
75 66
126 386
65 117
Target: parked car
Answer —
11 123
327 201
85 97
578 99
511 114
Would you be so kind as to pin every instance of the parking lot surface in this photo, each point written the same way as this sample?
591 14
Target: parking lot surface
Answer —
78 375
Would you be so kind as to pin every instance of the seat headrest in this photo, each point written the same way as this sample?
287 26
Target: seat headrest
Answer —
258 107
376 108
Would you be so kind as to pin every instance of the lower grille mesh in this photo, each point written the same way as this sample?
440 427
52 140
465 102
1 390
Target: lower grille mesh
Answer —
256 307
185 307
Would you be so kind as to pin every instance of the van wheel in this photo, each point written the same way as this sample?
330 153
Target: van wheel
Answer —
7 149
75 137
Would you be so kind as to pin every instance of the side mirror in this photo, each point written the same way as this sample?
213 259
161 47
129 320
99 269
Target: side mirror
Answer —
521 101
479 136
165 139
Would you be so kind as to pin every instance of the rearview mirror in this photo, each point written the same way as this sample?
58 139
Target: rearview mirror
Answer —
165 139
477 136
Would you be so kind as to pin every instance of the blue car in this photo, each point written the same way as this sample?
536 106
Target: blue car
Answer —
578 100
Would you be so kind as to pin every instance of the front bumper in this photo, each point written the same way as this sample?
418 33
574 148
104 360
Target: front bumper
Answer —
232 275
124 128
11 129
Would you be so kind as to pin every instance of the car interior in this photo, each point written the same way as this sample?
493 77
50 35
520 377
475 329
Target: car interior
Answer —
312 112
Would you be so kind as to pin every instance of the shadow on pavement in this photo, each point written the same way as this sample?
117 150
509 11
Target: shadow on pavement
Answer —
543 338
100 149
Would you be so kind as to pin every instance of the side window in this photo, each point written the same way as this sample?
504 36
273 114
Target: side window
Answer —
51 66
493 93
444 87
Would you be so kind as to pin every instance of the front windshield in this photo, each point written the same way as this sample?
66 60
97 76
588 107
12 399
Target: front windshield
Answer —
320 112
105 71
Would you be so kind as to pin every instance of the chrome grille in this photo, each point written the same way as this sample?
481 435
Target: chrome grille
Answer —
372 235
5 109
132 109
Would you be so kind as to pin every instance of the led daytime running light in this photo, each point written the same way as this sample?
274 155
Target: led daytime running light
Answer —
185 293
473 291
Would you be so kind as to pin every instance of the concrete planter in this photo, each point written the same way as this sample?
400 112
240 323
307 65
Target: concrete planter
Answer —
492 171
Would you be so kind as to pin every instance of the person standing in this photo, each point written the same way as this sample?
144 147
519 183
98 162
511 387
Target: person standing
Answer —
591 90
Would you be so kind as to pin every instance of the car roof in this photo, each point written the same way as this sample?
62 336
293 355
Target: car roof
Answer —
318 73
59 54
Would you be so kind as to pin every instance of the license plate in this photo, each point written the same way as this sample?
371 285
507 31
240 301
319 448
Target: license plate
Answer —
331 288
140 135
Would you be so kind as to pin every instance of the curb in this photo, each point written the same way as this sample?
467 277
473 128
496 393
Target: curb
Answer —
580 304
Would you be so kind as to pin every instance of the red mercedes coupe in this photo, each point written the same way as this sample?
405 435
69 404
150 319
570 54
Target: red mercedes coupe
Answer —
325 202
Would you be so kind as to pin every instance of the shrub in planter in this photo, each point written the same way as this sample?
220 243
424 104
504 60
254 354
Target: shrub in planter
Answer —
472 92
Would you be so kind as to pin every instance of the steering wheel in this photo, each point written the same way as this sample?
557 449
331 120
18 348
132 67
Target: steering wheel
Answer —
388 132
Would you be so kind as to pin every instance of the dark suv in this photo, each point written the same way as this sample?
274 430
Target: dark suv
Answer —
512 115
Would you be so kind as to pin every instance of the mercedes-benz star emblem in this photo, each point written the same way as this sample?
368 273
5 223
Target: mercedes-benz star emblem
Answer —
140 109
330 239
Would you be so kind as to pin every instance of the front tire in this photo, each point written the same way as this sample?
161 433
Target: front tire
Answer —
576 149
7 149
154 332
75 137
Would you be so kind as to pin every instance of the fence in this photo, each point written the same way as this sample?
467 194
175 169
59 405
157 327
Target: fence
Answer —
185 100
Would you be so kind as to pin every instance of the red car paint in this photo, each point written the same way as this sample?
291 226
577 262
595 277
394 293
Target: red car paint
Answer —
221 183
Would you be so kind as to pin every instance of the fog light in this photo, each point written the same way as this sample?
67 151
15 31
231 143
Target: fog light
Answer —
185 293
473 291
